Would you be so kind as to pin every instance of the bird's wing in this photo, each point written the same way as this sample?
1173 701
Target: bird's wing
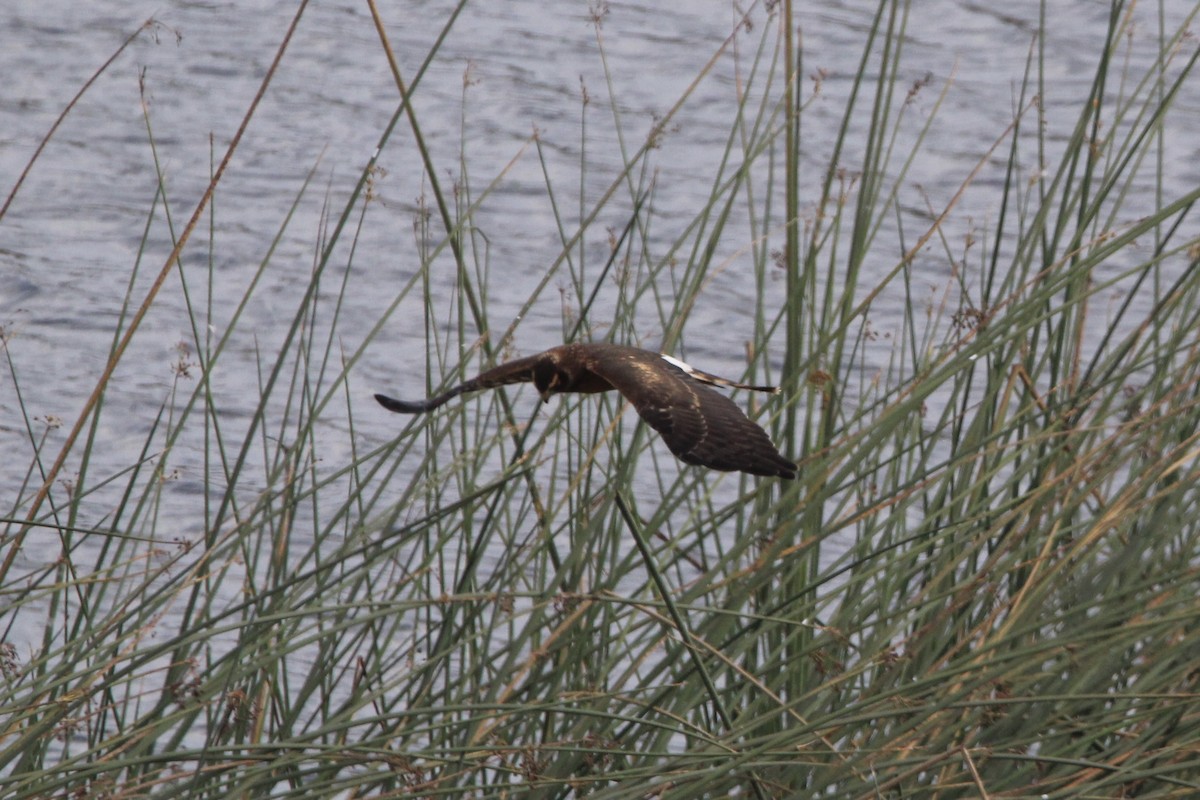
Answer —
518 371
700 425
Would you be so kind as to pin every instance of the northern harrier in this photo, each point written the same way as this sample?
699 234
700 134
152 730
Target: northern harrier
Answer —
699 425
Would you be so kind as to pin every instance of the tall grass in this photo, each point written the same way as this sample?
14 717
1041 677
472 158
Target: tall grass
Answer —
983 584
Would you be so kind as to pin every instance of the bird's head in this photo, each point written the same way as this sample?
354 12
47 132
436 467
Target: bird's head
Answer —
548 379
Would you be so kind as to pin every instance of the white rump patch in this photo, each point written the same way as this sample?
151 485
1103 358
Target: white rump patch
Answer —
685 367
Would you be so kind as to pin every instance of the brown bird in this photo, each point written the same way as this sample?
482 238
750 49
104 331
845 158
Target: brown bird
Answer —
699 425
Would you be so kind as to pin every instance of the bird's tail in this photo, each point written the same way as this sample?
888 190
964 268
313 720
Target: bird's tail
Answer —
716 380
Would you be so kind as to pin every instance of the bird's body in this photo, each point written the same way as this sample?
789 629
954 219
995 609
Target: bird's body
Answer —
700 425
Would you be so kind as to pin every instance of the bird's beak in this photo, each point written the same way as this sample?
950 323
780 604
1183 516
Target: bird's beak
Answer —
545 396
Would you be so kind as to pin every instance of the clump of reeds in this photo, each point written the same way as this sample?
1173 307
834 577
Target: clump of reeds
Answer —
983 584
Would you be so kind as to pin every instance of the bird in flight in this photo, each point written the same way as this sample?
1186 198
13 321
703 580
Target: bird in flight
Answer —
700 425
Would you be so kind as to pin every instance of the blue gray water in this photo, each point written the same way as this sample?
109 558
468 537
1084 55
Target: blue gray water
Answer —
70 240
